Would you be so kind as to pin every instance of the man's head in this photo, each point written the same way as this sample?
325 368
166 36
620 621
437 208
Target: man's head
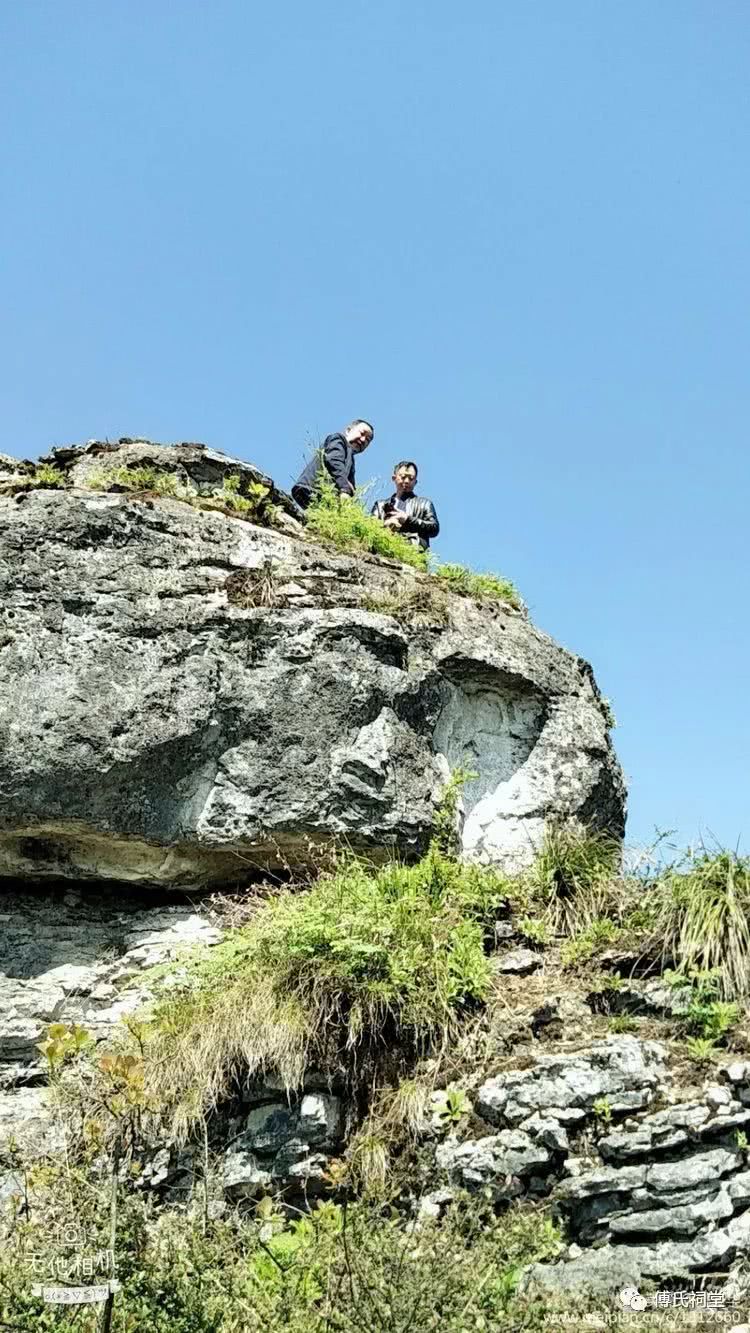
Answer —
405 477
359 434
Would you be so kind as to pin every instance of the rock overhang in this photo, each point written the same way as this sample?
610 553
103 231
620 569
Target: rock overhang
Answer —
154 730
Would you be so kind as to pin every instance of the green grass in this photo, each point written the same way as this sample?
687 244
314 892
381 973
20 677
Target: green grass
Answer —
573 878
364 963
157 480
250 501
44 476
345 524
480 587
581 948
705 919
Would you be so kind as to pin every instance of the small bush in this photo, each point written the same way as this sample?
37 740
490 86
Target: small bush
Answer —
337 1270
701 1050
345 524
365 962
417 605
480 587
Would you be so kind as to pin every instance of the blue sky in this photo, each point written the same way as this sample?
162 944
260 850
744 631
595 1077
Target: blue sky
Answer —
514 235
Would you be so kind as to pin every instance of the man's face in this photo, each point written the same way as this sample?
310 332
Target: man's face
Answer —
405 479
359 437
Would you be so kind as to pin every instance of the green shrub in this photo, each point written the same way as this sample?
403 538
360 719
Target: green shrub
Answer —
346 524
705 919
418 605
336 1270
480 587
364 962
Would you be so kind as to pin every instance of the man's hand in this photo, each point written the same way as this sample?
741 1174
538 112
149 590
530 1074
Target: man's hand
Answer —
396 520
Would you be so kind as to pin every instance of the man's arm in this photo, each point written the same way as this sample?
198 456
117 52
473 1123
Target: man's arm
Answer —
335 454
426 523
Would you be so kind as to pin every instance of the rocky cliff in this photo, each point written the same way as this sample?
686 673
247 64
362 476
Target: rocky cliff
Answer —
187 698
194 694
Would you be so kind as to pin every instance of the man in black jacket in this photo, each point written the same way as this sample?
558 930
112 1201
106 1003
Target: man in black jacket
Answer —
412 515
336 455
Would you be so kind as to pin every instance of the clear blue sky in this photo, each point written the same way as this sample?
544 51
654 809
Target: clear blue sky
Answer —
513 234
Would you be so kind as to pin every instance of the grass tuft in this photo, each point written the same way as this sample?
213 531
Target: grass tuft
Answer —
574 875
705 921
345 524
481 587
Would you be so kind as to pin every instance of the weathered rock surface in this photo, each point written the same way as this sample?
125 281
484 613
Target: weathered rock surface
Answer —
623 1070
662 1194
153 729
79 957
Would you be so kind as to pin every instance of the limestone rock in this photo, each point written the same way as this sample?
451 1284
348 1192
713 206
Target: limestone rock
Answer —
519 962
623 1070
500 1162
155 730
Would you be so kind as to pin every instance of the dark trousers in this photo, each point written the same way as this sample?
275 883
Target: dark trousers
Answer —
302 496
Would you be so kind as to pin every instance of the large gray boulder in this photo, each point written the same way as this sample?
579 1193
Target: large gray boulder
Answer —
189 699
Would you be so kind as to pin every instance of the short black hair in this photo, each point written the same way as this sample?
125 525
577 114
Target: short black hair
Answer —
360 421
406 462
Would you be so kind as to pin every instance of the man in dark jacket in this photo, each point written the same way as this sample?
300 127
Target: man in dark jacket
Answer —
412 515
336 455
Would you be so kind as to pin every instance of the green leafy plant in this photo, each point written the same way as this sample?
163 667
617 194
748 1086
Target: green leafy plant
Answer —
602 1109
535 930
712 1019
63 1042
450 1105
700 1049
598 935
